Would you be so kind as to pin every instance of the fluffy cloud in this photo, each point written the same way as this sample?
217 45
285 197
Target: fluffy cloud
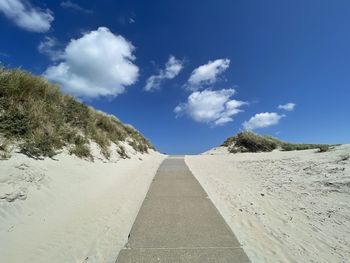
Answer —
172 69
49 47
288 107
212 107
207 74
262 120
71 5
97 64
26 16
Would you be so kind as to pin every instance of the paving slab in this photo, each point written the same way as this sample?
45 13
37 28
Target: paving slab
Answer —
180 222
177 222
212 255
175 188
166 175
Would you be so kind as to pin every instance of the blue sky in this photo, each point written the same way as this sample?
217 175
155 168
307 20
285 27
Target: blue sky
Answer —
189 74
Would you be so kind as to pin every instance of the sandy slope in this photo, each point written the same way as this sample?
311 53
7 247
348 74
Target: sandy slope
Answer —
70 210
283 206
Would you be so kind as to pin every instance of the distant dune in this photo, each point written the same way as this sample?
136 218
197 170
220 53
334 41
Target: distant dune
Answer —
248 141
284 206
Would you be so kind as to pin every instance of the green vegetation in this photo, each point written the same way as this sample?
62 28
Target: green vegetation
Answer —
324 148
37 115
122 152
5 149
251 142
81 150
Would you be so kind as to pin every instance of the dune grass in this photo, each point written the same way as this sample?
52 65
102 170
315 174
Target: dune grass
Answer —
251 142
43 120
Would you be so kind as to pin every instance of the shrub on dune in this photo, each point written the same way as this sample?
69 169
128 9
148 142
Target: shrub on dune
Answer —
248 141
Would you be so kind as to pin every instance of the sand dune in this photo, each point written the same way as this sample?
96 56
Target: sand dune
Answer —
283 206
70 210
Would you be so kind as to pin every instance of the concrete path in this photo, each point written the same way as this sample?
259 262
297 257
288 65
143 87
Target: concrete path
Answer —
178 223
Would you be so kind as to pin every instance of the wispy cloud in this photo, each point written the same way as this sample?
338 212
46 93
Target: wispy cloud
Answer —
26 16
262 120
99 63
74 6
207 74
214 107
288 107
50 47
172 69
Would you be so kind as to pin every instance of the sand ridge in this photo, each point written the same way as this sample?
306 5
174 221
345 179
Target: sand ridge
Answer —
68 209
292 206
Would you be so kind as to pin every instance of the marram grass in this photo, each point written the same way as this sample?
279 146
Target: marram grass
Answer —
42 120
248 141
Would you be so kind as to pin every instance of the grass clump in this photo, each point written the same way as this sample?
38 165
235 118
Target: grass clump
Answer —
324 148
39 145
301 146
122 153
80 147
103 141
43 120
81 150
251 142
5 151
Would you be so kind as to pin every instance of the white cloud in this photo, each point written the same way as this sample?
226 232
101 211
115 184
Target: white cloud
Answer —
212 107
71 5
288 107
207 74
172 69
97 64
50 47
262 120
24 15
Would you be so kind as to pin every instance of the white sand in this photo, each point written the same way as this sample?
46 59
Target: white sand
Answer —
216 151
70 210
283 206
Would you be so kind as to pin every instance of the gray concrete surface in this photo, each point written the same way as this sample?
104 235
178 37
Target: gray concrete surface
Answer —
177 222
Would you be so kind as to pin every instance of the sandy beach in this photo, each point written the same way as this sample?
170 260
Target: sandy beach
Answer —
70 210
109 112
283 206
